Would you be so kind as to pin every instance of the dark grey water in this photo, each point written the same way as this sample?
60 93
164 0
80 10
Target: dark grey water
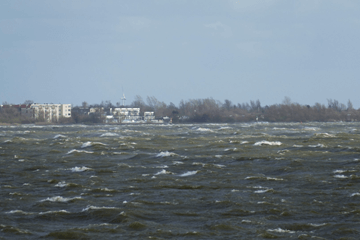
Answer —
210 181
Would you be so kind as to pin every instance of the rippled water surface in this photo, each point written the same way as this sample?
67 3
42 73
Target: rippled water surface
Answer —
209 181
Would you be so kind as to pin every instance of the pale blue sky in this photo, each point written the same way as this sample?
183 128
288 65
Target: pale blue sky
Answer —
70 51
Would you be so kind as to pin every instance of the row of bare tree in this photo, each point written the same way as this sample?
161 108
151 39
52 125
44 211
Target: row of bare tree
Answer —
210 110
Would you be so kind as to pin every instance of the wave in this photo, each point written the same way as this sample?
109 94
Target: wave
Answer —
78 151
163 172
166 154
189 173
59 136
317 146
204 130
19 212
275 143
80 169
109 135
89 207
89 144
60 199
324 135
53 212
280 230
340 176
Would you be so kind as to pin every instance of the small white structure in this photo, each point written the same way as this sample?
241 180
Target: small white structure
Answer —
50 112
129 114
149 116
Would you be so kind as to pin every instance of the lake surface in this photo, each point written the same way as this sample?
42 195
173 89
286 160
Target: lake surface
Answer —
181 181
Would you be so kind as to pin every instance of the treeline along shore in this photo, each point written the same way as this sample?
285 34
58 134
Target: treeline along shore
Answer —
206 110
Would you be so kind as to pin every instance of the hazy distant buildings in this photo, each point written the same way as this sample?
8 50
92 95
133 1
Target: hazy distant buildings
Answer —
42 112
50 112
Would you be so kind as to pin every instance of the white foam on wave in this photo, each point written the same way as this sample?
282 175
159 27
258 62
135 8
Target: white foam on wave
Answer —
89 144
298 146
59 199
311 128
223 128
274 179
166 154
53 212
80 169
89 207
109 135
18 212
219 165
189 173
177 162
59 136
340 176
280 230
163 172
326 135
62 184
204 129
263 190
275 143
355 194
162 166
78 151
317 145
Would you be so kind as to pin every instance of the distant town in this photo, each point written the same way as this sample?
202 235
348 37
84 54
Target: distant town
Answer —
191 111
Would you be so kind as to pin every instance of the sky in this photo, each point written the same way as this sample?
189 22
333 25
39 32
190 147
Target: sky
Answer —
70 51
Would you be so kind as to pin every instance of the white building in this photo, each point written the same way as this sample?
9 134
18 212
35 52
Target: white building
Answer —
127 114
51 112
149 116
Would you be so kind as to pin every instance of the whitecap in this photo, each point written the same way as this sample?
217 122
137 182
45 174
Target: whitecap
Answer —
189 173
274 179
80 169
317 145
276 143
177 162
355 194
53 212
279 230
166 154
219 165
311 128
89 207
297 146
263 191
89 144
204 129
109 135
59 136
18 212
341 176
317 225
163 172
326 135
162 166
59 199
62 184
78 151
223 128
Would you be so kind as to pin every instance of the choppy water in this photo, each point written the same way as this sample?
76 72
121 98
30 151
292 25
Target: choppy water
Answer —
209 181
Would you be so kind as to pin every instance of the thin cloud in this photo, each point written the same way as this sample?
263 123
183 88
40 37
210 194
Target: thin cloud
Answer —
220 29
